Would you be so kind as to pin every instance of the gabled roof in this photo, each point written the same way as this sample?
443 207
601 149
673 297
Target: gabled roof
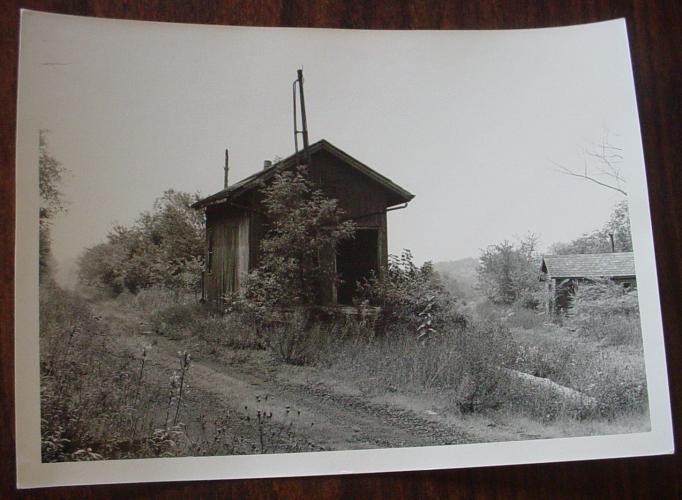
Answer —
593 265
399 195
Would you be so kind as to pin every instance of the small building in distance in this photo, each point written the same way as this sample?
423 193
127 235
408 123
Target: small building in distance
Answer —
236 224
561 273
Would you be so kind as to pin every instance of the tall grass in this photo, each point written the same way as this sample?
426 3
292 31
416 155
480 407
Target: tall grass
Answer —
95 402
464 364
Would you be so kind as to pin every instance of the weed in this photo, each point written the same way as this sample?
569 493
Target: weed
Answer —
184 368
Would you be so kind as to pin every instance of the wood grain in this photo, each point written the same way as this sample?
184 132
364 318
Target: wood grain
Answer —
656 44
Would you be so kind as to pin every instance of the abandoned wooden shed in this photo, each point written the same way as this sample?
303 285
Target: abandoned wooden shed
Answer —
562 273
236 225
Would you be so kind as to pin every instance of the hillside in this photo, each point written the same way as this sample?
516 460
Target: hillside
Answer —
460 276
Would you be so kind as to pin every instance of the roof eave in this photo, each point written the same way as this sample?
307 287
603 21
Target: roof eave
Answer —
400 194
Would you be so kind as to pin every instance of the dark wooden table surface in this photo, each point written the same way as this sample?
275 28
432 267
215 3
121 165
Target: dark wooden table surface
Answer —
655 30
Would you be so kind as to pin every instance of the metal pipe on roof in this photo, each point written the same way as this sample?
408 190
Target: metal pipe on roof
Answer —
304 122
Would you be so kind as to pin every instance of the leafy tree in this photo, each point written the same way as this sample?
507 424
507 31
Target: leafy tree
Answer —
297 252
599 241
50 174
508 272
163 248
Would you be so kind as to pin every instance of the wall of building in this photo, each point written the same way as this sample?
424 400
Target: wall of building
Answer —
237 233
227 232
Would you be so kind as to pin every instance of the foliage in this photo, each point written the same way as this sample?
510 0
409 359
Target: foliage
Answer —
50 177
412 297
599 241
89 410
605 310
296 259
509 272
164 248
460 365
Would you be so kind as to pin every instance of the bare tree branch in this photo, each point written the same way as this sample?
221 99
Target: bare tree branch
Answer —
601 165
586 176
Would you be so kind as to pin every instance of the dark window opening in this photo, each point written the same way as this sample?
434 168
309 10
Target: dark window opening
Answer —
565 291
356 258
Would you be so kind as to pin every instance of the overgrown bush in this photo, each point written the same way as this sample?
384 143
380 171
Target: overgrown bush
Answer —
606 311
412 297
94 402
297 253
164 248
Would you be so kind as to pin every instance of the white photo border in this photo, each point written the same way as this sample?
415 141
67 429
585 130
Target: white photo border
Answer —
31 472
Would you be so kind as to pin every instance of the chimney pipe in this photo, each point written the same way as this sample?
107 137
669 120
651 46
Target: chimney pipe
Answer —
267 164
613 244
227 165
304 122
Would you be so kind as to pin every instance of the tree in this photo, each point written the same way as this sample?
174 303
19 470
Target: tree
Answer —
50 176
601 166
297 253
164 248
599 240
508 272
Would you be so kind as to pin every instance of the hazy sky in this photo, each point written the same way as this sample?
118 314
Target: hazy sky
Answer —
469 122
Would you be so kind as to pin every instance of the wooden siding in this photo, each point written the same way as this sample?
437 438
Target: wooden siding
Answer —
242 266
358 195
362 199
228 229
238 232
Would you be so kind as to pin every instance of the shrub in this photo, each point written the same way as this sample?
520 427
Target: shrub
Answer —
177 320
525 318
606 311
412 298
295 254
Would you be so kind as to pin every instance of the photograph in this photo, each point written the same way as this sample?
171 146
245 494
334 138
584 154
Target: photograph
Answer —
315 251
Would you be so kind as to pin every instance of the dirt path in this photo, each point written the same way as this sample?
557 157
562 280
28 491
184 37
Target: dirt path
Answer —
278 408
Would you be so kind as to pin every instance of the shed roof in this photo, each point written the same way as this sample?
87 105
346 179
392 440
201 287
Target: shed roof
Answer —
593 265
398 194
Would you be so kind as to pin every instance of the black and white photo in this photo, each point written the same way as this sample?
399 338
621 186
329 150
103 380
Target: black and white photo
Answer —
250 252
